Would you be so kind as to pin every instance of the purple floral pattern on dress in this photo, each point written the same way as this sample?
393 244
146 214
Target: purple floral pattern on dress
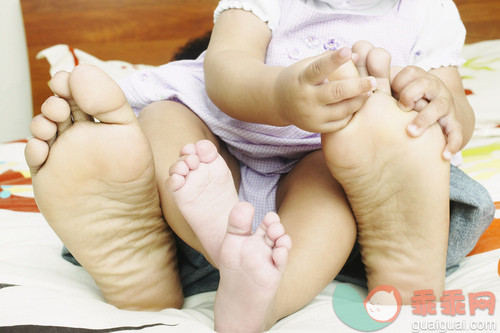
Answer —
313 45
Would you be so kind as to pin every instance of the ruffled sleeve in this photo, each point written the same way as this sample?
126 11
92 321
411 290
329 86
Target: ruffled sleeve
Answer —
442 36
267 10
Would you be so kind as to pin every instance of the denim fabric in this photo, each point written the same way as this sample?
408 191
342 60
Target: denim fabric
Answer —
471 212
197 274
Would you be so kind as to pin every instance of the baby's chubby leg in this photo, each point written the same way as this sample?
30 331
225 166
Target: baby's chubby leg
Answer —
398 190
316 214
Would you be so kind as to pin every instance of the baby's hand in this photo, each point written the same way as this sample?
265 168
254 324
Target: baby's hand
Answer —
307 99
419 90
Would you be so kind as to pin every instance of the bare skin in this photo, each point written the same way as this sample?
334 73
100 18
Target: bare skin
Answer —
402 166
203 188
398 190
250 265
99 195
80 173
316 233
74 166
330 228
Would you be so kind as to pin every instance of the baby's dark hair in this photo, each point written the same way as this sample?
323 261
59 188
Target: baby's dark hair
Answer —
193 48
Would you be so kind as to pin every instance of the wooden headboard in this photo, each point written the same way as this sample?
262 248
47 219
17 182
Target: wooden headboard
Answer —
151 31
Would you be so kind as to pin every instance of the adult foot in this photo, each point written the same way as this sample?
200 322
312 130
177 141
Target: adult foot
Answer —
373 61
398 190
95 184
251 267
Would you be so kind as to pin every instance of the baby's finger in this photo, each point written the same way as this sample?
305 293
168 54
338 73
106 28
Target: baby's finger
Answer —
337 91
337 116
453 131
336 125
403 77
317 71
453 145
417 90
420 105
435 110
340 110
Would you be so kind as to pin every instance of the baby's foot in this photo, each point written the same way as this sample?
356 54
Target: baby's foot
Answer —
398 190
251 267
95 185
204 191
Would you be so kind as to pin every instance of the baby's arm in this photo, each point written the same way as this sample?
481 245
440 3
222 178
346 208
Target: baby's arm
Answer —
240 83
439 96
